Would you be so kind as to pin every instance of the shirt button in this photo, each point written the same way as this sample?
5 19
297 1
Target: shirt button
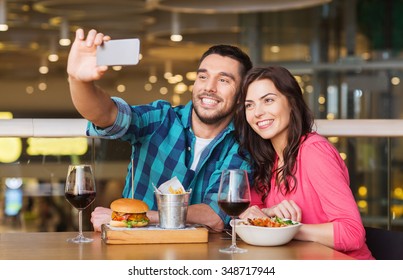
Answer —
189 149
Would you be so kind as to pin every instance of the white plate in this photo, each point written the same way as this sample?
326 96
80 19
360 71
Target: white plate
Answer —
265 236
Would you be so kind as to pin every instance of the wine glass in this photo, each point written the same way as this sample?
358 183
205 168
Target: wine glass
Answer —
80 193
233 199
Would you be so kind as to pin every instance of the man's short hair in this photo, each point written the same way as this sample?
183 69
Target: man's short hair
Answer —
232 52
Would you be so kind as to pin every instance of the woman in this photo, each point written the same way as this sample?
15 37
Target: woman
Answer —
298 174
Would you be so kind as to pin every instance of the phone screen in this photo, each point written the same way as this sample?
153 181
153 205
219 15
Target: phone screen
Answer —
119 52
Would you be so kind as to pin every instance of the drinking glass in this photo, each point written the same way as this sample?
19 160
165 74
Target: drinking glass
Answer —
80 193
233 199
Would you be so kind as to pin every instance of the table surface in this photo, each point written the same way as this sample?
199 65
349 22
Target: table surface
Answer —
53 246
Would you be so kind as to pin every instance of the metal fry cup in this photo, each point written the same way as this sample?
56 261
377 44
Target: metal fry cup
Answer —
172 210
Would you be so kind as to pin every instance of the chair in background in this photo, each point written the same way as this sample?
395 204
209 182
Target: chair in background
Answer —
385 244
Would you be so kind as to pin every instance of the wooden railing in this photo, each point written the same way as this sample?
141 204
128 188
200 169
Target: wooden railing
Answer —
76 128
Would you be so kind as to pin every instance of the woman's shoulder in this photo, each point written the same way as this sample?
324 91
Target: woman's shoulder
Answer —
316 142
312 138
317 153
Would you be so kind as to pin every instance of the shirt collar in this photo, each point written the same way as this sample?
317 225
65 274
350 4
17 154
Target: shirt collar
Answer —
186 118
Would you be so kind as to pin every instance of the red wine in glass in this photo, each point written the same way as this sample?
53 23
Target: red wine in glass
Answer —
80 193
233 199
233 208
80 200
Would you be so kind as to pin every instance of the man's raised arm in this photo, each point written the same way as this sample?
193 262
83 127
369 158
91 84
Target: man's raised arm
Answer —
91 102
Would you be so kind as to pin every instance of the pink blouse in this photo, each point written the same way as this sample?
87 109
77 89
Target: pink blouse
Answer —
324 195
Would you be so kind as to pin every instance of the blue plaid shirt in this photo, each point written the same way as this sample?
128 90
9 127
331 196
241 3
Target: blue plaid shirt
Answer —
163 147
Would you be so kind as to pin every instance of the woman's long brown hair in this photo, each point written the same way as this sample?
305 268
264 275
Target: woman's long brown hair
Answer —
261 150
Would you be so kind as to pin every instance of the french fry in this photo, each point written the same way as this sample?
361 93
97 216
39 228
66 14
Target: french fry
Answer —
172 186
177 191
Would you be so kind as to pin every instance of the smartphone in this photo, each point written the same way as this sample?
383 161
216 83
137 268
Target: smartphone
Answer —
119 52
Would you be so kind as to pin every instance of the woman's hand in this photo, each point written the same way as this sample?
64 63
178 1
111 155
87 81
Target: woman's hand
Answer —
286 209
252 212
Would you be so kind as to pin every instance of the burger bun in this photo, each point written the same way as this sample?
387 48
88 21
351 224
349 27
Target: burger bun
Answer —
113 223
129 205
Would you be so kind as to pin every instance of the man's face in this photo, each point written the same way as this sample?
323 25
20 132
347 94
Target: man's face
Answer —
215 89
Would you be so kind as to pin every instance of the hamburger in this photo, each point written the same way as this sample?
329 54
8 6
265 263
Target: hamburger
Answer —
128 212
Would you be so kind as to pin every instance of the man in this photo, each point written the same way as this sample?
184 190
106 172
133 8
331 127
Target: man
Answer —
194 142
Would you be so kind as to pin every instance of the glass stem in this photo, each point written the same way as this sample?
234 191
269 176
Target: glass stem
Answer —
80 222
233 233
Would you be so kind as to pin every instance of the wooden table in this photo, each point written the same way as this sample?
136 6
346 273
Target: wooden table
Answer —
53 246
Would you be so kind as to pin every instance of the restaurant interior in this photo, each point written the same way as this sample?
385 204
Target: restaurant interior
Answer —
347 56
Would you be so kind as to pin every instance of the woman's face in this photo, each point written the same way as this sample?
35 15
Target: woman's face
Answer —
268 112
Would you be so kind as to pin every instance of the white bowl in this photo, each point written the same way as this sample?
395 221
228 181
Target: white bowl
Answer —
265 236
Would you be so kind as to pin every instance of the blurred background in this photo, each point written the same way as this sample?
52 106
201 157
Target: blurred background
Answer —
346 55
